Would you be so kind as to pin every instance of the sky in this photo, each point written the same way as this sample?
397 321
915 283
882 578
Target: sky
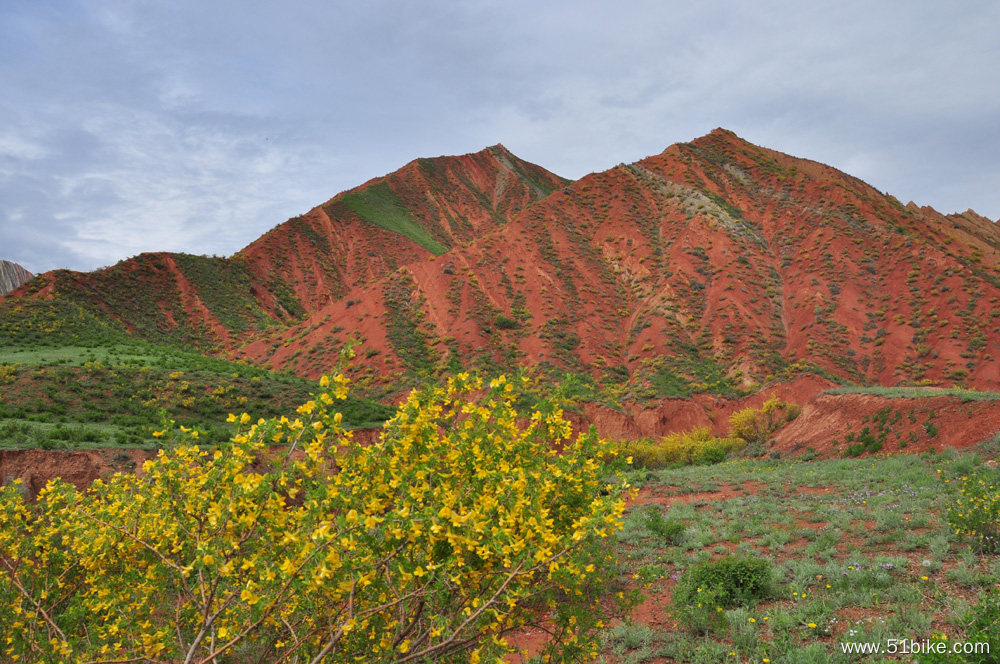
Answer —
130 126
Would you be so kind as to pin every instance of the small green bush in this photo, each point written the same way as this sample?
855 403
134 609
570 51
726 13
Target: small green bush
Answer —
857 449
671 530
730 581
504 323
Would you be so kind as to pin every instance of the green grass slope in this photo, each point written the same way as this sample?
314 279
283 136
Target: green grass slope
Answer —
119 394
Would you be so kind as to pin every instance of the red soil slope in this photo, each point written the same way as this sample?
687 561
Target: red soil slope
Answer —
716 255
658 417
332 249
910 425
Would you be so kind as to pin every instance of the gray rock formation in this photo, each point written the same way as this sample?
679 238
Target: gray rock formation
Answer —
12 275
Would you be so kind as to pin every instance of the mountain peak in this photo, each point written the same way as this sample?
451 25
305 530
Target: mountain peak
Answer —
719 136
722 131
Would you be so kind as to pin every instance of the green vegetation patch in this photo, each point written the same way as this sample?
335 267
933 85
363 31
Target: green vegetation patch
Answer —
49 323
684 375
378 204
409 340
224 286
71 397
794 560
918 392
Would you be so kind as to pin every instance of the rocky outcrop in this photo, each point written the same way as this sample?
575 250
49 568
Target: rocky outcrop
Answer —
12 275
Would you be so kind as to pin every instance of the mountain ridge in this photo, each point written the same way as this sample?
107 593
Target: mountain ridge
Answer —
721 199
715 266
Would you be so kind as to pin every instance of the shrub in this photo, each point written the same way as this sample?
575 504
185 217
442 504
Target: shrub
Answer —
458 526
645 453
855 450
688 447
754 425
671 530
719 584
504 323
976 511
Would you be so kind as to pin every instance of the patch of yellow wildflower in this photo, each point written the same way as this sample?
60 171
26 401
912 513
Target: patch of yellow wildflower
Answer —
975 511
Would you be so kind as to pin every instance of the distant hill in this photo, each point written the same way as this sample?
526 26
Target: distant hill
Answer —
12 275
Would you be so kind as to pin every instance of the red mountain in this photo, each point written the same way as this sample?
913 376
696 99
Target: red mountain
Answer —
356 238
712 266
420 211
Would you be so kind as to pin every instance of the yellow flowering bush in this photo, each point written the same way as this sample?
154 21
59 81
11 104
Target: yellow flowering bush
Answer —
466 521
754 425
746 426
975 512
685 447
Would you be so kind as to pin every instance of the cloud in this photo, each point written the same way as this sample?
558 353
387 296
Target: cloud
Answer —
189 126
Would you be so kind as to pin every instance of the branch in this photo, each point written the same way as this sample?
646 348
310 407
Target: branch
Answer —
38 607
451 642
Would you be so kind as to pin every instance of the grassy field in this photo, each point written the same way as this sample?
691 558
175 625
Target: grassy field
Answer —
72 397
860 549
918 392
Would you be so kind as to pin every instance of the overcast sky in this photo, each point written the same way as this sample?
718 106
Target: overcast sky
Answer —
193 125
